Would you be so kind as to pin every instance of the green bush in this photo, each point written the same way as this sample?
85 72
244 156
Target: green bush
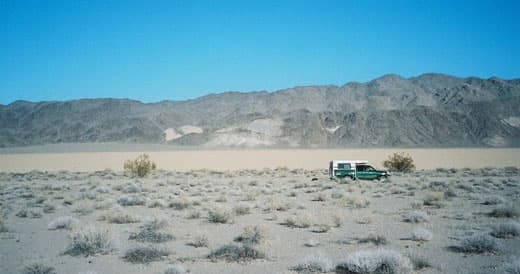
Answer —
141 166
400 162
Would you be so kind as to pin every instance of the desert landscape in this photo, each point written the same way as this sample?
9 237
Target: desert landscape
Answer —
260 220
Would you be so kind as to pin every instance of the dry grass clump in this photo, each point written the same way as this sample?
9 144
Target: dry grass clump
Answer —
478 244
253 235
140 166
242 209
149 232
181 203
278 204
401 162
131 200
314 264
356 201
493 200
145 254
219 215
298 221
3 227
504 212
419 262
38 268
434 200
511 267
236 253
89 241
421 235
200 241
375 262
416 217
175 269
64 222
119 218
374 239
506 230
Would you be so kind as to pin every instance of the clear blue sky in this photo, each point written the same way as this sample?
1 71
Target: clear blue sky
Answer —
155 50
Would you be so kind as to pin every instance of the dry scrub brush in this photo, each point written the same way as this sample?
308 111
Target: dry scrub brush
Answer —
140 166
400 162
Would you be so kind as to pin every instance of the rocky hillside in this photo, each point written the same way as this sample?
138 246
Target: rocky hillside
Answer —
430 110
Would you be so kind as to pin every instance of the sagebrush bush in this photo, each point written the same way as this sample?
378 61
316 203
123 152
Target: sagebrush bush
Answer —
148 232
374 239
38 268
400 162
89 241
175 269
200 241
479 244
218 215
253 235
506 230
375 262
140 166
314 264
64 222
236 253
145 254
421 234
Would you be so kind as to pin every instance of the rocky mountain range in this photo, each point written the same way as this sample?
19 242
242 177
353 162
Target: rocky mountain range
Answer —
430 110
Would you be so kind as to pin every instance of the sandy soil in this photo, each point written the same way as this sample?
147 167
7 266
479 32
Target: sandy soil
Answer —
84 159
301 217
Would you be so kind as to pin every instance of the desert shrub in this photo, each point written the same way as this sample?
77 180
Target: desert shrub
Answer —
200 241
478 244
421 234
511 267
506 230
148 232
314 264
252 235
140 166
175 269
3 227
504 212
236 253
375 262
298 222
400 162
374 239
38 268
242 209
419 262
119 218
64 222
89 241
433 199
416 217
181 203
145 254
493 200
131 200
218 215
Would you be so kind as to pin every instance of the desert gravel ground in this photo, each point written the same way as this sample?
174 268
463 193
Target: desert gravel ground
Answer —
260 221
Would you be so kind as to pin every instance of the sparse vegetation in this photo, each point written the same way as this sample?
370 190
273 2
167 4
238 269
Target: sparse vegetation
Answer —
175 269
236 253
38 268
89 241
314 264
374 239
219 215
400 162
416 217
253 235
504 212
145 254
421 234
65 222
375 262
200 241
478 244
140 166
149 232
506 230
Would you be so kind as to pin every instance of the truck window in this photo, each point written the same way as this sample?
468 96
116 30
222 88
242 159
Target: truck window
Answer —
343 166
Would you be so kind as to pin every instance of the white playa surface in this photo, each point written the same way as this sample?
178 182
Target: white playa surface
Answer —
99 157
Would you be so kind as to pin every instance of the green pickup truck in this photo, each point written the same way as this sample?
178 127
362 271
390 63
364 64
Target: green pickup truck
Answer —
355 169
